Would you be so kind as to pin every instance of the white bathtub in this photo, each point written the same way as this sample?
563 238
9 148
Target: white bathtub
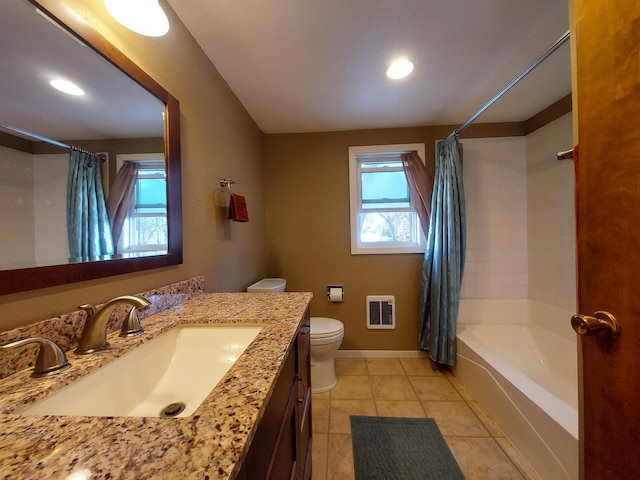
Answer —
518 360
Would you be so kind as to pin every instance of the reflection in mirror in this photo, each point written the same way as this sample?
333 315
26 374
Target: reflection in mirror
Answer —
124 115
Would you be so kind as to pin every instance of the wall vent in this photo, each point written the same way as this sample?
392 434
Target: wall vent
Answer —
381 311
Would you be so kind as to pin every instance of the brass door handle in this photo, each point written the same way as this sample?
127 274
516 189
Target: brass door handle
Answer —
601 323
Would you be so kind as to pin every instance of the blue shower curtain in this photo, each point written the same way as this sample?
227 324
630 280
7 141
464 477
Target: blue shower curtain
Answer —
443 265
88 227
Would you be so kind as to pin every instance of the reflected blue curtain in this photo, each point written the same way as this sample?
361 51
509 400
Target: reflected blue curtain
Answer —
87 222
443 266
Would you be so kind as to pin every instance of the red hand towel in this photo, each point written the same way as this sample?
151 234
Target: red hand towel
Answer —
238 209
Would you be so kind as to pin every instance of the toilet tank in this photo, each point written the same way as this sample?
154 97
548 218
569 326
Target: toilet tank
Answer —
268 285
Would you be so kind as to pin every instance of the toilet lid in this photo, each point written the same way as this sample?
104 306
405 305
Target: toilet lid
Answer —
322 327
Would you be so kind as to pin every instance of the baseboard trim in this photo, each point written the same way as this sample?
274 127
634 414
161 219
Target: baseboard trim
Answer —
382 353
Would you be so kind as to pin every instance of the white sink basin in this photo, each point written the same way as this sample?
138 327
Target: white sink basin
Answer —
180 366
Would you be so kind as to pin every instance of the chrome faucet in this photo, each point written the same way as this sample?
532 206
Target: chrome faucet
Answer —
50 357
94 334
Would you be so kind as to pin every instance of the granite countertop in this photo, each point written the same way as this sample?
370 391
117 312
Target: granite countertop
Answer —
211 443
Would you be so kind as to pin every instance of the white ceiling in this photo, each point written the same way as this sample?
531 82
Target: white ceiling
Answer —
304 65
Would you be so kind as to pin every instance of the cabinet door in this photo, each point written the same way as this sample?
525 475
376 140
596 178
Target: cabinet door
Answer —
283 462
259 460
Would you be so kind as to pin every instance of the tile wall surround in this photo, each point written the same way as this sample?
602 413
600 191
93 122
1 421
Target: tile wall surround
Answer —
551 220
494 175
521 217
65 329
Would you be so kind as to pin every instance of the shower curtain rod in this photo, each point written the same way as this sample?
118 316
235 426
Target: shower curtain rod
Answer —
41 138
512 83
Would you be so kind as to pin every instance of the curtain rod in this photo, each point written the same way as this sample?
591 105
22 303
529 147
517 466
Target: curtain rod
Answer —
41 138
512 83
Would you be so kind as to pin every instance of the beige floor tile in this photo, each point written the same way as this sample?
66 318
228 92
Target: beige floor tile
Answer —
319 456
352 387
454 419
340 453
393 408
392 387
320 415
458 386
482 459
420 366
341 410
351 366
409 387
516 457
384 366
326 395
487 421
434 388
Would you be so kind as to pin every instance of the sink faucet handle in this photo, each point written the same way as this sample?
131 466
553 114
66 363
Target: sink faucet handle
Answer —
131 324
50 357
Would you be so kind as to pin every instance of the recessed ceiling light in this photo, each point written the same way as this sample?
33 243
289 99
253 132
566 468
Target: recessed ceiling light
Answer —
400 69
66 86
145 17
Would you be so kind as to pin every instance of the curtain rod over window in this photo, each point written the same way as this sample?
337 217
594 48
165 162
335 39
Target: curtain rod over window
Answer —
41 138
552 48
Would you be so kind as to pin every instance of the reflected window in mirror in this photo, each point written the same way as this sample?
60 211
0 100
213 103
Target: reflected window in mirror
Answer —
144 230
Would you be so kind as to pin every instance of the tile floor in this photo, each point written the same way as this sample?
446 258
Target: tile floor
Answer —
409 387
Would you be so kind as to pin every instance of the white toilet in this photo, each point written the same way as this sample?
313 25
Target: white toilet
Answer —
326 338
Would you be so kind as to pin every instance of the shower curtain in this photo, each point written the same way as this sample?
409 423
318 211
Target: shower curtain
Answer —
87 223
441 279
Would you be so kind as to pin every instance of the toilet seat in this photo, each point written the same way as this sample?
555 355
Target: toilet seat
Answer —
323 328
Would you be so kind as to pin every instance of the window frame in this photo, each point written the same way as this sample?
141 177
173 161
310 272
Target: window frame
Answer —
380 248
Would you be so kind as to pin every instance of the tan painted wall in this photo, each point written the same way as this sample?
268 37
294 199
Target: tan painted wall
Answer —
219 139
308 239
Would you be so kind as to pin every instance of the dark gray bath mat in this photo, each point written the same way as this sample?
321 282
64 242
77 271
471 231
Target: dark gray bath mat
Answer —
388 448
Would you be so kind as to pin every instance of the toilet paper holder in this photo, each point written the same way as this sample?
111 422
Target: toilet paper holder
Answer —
335 293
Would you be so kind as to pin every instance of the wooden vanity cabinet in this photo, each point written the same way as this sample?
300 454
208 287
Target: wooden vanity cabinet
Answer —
281 447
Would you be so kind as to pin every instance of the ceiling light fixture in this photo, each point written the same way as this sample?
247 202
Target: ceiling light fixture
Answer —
400 69
145 17
66 86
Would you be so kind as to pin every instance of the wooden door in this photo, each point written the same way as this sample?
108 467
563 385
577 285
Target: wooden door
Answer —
607 54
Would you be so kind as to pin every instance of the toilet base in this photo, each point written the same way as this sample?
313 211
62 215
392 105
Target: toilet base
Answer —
323 375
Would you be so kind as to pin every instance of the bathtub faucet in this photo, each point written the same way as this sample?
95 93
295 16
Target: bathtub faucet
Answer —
94 334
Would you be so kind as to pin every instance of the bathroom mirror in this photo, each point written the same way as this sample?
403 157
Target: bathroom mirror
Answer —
124 112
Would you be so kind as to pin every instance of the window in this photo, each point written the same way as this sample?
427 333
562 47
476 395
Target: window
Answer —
383 218
145 229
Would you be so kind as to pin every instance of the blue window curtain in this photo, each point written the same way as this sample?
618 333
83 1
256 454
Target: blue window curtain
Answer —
87 222
441 279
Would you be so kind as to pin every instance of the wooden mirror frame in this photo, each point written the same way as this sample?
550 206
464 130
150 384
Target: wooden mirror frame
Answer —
19 280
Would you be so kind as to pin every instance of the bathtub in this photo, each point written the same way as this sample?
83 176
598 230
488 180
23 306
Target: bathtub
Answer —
518 360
